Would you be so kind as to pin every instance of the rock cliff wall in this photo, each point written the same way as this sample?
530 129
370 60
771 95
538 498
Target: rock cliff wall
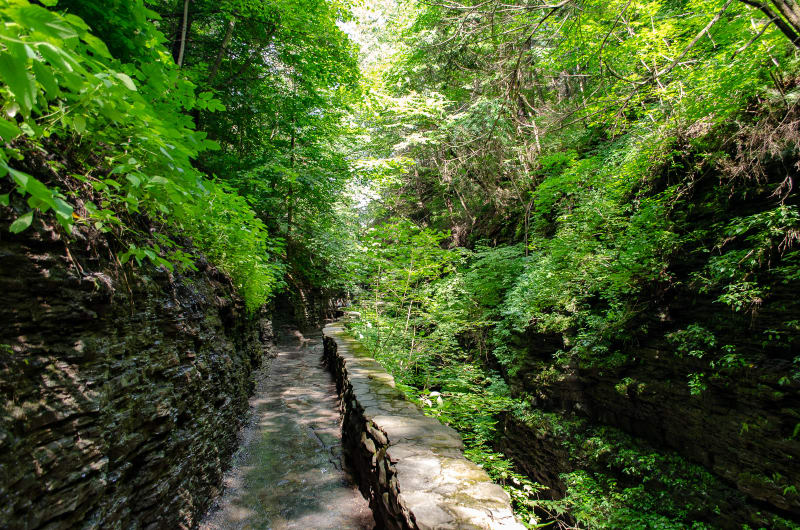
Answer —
308 307
742 427
121 390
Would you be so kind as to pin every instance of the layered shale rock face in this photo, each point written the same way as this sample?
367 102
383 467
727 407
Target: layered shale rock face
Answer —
308 307
121 390
408 465
742 428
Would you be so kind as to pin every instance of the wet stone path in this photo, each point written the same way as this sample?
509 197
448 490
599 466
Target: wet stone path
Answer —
288 473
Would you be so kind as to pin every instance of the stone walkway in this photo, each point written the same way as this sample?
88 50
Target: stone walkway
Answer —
417 474
288 472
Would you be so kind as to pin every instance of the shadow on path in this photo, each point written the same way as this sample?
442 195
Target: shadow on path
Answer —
288 474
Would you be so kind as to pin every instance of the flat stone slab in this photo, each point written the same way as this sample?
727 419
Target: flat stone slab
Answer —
411 466
288 472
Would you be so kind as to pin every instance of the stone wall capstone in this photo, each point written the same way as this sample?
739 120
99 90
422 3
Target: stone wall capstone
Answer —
410 466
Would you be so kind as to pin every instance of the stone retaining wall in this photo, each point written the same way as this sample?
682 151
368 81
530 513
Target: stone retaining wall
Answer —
408 465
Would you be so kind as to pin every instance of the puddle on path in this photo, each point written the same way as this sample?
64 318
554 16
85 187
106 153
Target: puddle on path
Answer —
287 474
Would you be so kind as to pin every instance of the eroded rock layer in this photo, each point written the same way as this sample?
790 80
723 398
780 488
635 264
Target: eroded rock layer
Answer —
121 390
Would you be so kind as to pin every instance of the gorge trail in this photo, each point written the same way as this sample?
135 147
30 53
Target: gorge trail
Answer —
288 473
570 232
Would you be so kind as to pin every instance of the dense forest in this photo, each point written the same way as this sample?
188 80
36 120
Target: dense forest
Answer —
569 229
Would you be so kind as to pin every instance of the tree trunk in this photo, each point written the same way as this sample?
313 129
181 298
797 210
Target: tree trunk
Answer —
789 29
789 9
221 53
289 209
290 198
184 28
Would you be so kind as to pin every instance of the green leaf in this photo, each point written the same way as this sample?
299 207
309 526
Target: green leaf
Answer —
44 21
4 199
20 177
39 190
76 21
99 186
20 51
8 130
63 214
127 81
39 204
97 45
62 208
14 73
56 57
79 122
45 77
22 222
26 128
210 145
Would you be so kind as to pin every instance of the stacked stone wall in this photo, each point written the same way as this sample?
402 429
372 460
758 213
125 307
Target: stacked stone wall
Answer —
410 466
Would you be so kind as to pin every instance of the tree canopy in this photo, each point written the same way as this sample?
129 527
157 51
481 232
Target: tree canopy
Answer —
515 195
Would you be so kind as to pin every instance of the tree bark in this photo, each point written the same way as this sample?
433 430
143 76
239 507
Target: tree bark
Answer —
789 10
785 27
221 53
289 197
184 28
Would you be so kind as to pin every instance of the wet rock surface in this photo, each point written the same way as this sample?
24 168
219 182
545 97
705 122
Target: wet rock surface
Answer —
288 472
121 390
409 465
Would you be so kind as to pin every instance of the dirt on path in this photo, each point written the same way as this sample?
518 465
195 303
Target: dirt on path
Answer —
287 474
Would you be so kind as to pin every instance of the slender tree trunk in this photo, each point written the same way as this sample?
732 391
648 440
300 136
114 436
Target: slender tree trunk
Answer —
226 41
249 60
292 162
789 9
289 205
413 336
377 290
184 28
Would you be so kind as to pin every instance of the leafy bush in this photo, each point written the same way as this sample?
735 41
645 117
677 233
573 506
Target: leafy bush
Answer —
130 133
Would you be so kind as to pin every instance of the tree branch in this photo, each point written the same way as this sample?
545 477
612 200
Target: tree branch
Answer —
225 43
755 38
785 28
697 37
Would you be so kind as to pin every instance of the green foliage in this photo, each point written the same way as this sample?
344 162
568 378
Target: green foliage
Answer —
492 272
751 244
127 111
620 482
512 192
239 243
693 341
285 73
597 167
